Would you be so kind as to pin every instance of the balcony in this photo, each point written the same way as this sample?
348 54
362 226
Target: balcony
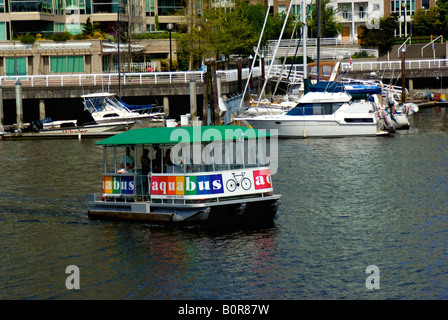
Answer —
357 16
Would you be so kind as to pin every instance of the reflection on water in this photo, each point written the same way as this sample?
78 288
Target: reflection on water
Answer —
347 204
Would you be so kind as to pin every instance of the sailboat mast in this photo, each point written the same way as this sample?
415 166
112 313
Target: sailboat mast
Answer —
318 38
118 48
304 38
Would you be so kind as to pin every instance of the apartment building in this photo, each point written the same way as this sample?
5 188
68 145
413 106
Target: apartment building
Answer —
42 16
405 9
353 14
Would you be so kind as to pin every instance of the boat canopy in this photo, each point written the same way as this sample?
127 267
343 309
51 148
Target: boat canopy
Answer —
173 135
328 86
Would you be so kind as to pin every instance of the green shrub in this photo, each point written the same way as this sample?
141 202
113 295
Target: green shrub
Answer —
28 39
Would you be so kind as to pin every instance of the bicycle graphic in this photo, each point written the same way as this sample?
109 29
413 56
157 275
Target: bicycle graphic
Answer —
243 182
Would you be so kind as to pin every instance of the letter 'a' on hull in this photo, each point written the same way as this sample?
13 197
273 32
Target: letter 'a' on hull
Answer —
214 176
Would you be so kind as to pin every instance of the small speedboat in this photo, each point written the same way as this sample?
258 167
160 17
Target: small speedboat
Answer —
105 107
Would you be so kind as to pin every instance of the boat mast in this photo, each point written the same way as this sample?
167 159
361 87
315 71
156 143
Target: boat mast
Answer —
118 48
256 54
318 38
275 51
304 38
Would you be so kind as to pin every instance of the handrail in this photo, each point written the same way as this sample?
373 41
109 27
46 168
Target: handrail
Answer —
404 43
81 79
432 42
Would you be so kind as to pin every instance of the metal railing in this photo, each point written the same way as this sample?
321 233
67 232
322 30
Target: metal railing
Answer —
126 78
141 78
432 42
396 64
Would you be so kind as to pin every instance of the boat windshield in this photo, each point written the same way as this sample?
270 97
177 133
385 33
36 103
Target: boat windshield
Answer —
309 109
102 103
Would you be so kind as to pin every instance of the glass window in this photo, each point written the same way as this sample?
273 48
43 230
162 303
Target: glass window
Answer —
3 31
15 66
66 64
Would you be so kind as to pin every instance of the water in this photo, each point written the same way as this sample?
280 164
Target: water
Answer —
347 204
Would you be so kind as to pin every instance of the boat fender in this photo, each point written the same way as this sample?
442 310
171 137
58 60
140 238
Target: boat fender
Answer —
388 122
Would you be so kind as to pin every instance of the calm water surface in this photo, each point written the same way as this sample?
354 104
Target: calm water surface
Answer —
347 204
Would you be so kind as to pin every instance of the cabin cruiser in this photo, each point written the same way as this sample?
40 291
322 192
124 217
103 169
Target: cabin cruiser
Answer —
331 112
105 107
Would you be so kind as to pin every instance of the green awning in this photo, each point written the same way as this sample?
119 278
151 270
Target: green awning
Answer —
173 135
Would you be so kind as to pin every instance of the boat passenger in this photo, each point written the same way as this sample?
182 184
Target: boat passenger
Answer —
125 170
146 162
127 159
156 164
167 163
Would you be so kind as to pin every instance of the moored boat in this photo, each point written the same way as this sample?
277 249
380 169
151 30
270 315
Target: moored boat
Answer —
105 107
328 112
203 181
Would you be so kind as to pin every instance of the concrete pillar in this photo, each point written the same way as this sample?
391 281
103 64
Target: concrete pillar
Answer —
240 76
411 86
193 99
2 118
41 109
219 84
166 106
19 105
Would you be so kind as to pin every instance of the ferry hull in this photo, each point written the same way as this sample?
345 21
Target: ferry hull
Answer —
250 211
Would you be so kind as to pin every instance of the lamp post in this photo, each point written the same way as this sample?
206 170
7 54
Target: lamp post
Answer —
170 29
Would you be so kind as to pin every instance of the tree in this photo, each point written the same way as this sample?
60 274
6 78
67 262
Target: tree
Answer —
442 12
329 26
237 31
426 22
381 38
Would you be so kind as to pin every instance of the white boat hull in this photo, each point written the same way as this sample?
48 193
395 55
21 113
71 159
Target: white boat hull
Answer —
111 128
302 127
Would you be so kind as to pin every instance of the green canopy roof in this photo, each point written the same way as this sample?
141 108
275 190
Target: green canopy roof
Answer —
173 135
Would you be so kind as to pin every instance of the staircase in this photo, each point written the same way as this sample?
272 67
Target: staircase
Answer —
414 51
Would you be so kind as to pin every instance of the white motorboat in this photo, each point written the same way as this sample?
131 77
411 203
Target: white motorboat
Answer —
76 128
324 114
105 108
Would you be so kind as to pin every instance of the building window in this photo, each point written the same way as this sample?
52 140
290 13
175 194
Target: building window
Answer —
3 35
15 66
67 64
398 6
425 4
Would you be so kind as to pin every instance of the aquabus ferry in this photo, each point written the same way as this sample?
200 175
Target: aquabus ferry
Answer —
213 175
